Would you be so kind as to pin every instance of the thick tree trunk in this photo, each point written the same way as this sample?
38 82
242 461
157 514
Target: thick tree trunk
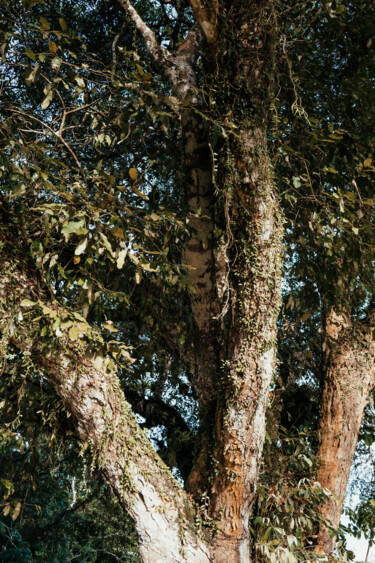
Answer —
162 512
255 278
235 357
349 377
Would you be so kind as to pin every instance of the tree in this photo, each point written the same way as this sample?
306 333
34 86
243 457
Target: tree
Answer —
83 243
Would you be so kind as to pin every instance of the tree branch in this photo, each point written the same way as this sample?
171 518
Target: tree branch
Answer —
177 69
103 418
160 55
206 17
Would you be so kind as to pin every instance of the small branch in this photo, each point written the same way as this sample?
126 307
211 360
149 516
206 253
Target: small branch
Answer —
114 47
66 145
177 69
160 55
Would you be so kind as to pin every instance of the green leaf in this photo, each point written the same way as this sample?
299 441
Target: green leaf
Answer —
133 173
74 332
47 100
106 242
305 316
63 24
16 511
56 63
44 24
296 182
52 47
140 194
28 4
146 266
31 74
81 83
121 259
73 227
30 54
28 303
108 325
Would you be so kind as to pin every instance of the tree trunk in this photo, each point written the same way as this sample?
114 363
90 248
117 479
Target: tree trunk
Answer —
349 377
235 354
198 255
255 280
161 510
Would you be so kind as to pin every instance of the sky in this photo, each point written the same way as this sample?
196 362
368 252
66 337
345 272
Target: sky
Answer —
359 547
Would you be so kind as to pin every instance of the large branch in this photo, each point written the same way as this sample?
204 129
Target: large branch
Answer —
159 507
348 379
207 18
159 54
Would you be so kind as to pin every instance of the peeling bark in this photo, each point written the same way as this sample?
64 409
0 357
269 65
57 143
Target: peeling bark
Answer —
349 377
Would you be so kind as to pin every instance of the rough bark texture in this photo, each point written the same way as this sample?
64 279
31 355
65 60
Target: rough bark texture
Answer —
161 511
254 257
349 377
240 417
235 356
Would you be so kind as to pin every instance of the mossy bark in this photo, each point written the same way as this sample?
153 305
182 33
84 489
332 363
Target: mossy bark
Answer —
235 345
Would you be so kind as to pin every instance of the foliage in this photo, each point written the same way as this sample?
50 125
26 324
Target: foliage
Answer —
56 508
286 511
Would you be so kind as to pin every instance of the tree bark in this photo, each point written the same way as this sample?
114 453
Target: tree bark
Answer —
349 377
198 255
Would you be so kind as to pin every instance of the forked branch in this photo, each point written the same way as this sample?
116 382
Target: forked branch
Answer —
178 68
207 17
